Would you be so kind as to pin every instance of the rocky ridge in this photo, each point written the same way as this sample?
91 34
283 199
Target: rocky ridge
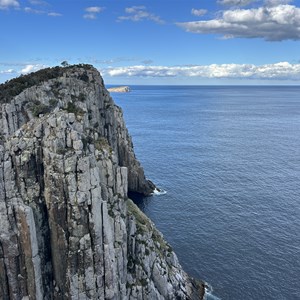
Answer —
67 227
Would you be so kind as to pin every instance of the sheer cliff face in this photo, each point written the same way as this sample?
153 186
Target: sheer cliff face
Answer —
67 228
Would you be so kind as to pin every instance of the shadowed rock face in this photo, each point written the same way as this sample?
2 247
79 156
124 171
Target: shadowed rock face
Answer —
67 228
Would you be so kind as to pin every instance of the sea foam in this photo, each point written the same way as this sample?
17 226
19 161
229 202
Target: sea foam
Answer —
159 192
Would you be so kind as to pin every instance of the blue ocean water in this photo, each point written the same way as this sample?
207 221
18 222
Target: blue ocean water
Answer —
229 159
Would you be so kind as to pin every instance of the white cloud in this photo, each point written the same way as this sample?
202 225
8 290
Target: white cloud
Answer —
90 16
31 68
54 14
5 4
41 12
134 9
38 2
9 71
139 13
236 2
33 11
274 23
94 9
198 12
281 70
277 2
92 12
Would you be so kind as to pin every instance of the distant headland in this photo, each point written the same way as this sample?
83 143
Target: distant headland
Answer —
119 89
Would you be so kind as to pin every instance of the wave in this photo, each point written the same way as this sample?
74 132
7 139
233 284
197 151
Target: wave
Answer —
208 293
159 192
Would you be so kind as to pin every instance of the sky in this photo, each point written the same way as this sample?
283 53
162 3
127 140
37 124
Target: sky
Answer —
172 42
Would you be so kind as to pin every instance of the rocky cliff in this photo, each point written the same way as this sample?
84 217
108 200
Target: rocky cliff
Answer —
67 227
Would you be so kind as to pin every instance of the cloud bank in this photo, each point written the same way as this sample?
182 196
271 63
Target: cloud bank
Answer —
271 23
281 71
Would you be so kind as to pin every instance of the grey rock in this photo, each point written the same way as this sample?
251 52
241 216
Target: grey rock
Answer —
67 227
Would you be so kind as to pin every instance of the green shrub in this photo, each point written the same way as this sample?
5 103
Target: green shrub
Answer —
38 108
102 143
72 108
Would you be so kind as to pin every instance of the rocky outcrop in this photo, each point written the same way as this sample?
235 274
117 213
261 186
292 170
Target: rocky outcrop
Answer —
119 89
67 227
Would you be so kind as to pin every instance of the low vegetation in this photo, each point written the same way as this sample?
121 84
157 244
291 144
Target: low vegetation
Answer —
102 143
73 108
15 86
37 107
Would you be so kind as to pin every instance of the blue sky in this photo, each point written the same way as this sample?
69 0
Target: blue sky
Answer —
157 41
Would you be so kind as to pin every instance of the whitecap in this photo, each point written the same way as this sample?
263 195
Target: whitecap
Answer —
159 192
209 296
208 293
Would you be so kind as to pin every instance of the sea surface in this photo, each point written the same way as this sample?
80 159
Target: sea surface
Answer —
229 159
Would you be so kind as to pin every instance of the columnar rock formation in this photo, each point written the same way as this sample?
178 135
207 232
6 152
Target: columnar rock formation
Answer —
67 227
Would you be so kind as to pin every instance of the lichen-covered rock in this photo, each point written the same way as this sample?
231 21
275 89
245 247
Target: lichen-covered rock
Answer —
67 228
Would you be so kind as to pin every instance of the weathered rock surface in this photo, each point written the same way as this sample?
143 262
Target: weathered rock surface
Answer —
67 227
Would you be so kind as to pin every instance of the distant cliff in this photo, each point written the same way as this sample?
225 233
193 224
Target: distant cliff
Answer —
67 227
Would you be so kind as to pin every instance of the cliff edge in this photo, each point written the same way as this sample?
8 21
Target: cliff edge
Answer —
67 227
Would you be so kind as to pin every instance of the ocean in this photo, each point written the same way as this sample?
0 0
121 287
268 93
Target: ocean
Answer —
228 158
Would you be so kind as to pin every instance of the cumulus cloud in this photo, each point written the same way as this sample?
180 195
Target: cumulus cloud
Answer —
281 70
19 68
236 2
139 13
92 12
94 9
5 4
31 68
272 23
198 12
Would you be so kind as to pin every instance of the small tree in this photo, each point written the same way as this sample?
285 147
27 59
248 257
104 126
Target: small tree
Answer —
65 63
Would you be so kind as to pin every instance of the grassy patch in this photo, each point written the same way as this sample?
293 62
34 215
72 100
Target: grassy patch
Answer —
38 108
72 108
102 143
140 217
